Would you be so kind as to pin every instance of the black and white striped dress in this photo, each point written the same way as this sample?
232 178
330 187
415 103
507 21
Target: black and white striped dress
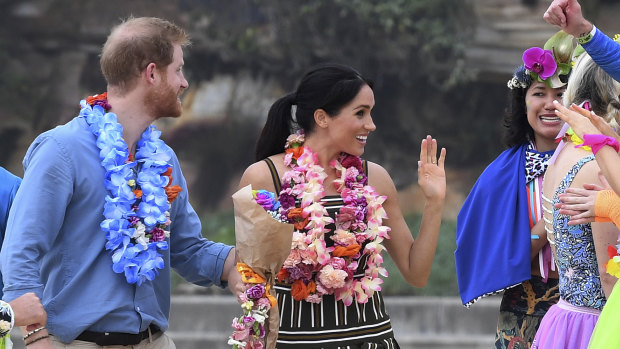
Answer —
331 324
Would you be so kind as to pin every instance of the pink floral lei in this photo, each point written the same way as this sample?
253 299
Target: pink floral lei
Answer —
312 268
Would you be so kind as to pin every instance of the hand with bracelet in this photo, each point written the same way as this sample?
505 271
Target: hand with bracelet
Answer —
31 317
567 15
605 51
36 336
25 310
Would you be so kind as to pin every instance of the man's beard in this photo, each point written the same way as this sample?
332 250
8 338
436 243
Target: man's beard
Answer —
161 102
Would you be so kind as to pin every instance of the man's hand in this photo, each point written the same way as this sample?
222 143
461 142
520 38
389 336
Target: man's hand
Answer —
567 15
28 310
231 275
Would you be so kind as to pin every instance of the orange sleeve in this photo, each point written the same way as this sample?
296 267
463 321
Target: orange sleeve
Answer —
607 207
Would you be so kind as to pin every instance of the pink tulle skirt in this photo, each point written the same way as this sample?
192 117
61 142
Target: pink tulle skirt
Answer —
566 326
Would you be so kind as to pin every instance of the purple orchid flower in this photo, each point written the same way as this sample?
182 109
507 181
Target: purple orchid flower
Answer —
540 62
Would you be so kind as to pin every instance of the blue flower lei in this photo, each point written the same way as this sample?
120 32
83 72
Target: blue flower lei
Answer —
135 227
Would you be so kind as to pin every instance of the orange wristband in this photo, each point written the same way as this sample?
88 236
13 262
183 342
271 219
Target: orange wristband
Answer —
607 207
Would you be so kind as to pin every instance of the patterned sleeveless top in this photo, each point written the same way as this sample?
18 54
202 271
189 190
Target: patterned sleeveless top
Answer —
580 282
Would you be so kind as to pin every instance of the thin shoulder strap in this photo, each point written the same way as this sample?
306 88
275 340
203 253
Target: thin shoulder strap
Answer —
365 167
274 175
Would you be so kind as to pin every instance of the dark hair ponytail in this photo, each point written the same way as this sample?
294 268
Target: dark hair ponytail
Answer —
277 128
328 86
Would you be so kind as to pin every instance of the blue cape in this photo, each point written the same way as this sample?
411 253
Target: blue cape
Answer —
493 230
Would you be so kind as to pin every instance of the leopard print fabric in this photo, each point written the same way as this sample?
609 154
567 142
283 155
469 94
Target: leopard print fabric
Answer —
535 163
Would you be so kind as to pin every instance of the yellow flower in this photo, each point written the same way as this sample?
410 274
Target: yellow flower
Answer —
576 140
613 268
5 326
247 305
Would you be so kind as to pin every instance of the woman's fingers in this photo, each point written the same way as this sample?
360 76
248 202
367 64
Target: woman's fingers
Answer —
428 151
442 157
580 110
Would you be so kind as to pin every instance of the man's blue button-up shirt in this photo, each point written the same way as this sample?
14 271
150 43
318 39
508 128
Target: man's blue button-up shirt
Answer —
54 245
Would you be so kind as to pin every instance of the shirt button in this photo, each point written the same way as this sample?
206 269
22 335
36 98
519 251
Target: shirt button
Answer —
137 308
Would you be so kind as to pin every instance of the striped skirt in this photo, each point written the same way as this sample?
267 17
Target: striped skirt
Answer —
331 324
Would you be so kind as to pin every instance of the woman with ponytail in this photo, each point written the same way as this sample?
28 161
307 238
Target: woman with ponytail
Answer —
345 210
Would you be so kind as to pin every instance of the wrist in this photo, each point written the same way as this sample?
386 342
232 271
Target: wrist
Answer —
598 141
32 342
435 205
586 33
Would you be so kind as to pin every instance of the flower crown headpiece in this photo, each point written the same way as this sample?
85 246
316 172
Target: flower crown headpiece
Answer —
550 64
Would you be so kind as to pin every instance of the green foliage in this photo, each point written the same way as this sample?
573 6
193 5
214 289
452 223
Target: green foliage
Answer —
379 37
407 39
14 87
219 227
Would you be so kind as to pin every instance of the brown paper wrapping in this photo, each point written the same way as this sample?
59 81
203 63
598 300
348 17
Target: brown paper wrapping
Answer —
262 243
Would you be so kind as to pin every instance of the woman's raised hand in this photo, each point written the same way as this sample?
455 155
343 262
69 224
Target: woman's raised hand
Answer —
431 173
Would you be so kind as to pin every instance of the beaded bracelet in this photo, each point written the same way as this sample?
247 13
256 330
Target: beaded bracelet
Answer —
34 331
37 339
7 318
597 141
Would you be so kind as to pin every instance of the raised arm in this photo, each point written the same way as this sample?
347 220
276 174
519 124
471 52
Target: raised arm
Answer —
604 51
414 258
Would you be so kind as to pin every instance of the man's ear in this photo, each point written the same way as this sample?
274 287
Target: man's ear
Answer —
321 118
150 73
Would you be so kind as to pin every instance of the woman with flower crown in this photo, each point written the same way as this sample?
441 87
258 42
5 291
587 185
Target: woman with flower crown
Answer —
508 252
345 211
580 250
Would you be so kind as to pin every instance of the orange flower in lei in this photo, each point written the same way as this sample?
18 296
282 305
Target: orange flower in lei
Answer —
296 152
313 268
172 191
296 215
348 251
300 290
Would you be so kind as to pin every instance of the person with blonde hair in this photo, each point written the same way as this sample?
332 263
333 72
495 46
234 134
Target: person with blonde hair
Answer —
580 250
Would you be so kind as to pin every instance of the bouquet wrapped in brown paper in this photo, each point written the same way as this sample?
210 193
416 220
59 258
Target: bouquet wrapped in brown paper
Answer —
262 245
